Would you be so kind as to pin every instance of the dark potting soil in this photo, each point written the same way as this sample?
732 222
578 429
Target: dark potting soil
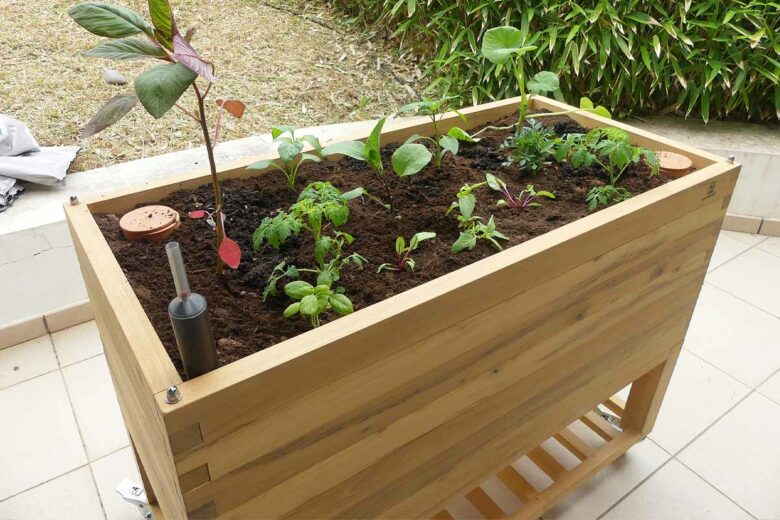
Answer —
243 324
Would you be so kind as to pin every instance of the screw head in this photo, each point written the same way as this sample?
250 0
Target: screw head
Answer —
732 158
172 395
74 200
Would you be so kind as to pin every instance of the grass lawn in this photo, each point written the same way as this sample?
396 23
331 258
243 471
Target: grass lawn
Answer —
285 67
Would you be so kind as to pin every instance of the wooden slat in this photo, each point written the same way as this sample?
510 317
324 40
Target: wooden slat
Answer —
484 504
546 462
517 484
547 499
572 442
601 427
615 405
443 515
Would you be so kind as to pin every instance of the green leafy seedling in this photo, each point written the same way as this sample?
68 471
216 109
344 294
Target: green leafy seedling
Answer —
290 153
281 270
531 146
606 195
478 230
403 252
330 259
529 197
315 300
443 143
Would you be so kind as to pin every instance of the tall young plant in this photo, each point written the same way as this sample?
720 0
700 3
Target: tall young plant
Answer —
159 88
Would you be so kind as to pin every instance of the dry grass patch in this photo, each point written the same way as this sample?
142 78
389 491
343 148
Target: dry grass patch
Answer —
286 68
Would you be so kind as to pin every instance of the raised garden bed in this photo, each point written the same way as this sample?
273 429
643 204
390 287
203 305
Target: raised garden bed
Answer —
413 399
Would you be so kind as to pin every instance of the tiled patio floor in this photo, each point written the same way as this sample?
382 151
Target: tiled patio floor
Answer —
713 454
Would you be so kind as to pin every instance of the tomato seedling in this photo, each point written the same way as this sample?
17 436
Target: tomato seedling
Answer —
403 252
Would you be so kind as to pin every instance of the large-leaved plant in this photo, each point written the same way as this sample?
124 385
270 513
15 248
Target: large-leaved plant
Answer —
180 67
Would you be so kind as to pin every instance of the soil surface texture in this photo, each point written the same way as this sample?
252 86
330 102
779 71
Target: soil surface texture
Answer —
243 324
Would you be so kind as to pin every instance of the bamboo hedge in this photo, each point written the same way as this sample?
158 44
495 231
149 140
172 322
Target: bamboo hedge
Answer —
708 58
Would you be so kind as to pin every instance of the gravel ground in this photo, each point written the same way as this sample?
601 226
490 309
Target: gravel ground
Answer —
288 65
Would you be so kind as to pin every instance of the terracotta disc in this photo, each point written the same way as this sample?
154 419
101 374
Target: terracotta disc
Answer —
148 221
673 164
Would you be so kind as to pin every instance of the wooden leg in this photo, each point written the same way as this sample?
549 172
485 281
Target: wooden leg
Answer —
647 394
144 479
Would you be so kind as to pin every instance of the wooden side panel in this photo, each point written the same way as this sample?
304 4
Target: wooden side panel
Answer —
398 411
138 366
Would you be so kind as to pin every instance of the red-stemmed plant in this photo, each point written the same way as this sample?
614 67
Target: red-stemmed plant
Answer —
160 87
529 197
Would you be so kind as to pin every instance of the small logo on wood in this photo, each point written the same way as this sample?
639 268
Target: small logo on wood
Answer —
711 191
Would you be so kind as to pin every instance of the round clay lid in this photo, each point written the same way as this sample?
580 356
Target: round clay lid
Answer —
145 221
674 162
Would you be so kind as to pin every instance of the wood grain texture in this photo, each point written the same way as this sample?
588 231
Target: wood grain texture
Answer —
393 410
137 362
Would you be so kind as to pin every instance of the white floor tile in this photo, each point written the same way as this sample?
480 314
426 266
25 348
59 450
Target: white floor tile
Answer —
109 472
753 276
77 343
726 248
740 456
736 337
675 492
22 244
25 361
611 484
97 410
72 495
771 245
771 388
697 395
39 439
748 238
38 284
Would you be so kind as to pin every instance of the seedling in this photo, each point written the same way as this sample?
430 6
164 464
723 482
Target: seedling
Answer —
531 147
505 47
408 159
448 142
527 198
403 252
281 270
472 227
318 204
328 253
159 88
478 230
466 203
314 301
290 156
612 151
606 195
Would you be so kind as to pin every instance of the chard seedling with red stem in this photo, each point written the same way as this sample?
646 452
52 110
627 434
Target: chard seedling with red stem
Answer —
160 87
403 252
527 198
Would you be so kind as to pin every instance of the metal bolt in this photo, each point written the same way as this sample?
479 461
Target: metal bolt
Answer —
732 158
173 395
74 200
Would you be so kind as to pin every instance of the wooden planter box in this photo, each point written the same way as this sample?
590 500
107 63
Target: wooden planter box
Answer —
397 409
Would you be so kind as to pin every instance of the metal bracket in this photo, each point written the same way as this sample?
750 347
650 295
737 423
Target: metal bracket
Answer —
134 493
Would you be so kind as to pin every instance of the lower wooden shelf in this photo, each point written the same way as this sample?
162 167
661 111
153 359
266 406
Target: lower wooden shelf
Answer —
573 457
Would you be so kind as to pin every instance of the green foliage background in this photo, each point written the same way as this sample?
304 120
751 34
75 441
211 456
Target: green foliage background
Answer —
708 58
